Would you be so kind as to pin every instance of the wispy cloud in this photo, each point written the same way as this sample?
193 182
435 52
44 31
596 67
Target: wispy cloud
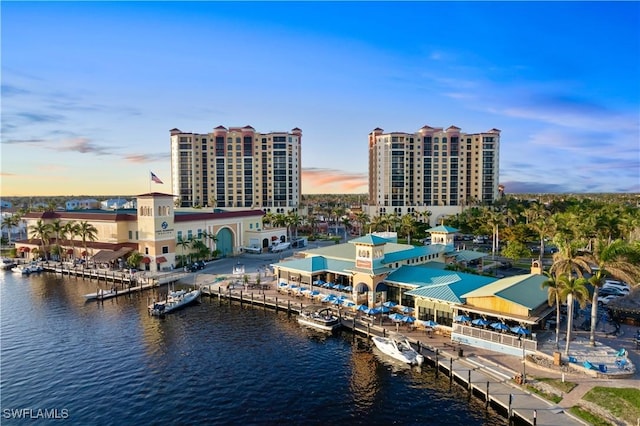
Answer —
34 117
8 90
83 146
146 158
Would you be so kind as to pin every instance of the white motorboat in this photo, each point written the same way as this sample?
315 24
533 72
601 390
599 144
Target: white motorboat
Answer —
398 347
175 300
22 269
101 295
319 317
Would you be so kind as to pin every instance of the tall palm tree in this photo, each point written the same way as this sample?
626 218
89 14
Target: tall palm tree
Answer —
9 222
184 244
294 221
362 218
41 231
611 259
572 290
69 232
494 219
408 226
553 297
544 228
87 232
567 261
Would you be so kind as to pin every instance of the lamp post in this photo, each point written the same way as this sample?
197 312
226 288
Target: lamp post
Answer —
524 362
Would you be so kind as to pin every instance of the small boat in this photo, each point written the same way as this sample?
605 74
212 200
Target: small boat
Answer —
8 264
175 300
101 295
22 269
319 317
398 347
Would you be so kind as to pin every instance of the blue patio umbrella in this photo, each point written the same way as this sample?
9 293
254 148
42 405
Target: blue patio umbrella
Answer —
407 309
328 298
389 304
314 293
462 318
348 303
318 282
408 319
519 330
384 309
362 307
348 288
396 317
372 311
337 301
500 326
480 321
430 323
327 285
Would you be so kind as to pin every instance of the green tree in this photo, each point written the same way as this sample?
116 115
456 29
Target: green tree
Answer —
553 298
9 222
572 289
363 219
515 250
70 230
87 232
609 259
134 259
184 244
408 226
41 231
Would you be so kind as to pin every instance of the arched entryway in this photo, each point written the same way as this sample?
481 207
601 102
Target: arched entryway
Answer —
224 242
361 292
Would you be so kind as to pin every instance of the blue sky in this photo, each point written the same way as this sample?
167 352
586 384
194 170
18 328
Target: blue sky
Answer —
91 90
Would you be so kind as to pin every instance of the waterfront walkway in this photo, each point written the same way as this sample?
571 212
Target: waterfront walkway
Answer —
485 369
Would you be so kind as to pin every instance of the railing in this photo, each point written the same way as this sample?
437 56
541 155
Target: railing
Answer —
506 339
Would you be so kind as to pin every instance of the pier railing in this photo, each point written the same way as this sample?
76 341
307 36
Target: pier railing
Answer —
506 338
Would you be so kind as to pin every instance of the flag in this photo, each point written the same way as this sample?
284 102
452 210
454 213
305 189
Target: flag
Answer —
155 178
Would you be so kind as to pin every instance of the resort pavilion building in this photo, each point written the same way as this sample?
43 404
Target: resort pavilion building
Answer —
155 229
372 270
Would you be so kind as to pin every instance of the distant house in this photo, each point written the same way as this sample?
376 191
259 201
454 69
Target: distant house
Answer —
86 204
117 203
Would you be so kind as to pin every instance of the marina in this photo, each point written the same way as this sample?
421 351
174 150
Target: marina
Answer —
46 364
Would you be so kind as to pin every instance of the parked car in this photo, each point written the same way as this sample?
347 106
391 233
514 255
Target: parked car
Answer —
623 287
611 291
604 300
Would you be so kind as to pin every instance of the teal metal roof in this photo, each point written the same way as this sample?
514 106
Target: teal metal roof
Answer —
373 240
443 228
439 284
524 290
468 255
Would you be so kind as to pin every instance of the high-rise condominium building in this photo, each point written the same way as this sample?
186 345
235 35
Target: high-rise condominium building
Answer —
432 169
237 168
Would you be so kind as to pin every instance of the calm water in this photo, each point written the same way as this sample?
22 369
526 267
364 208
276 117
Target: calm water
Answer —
112 363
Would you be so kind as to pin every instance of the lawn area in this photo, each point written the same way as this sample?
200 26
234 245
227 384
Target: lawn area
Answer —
588 417
623 403
565 386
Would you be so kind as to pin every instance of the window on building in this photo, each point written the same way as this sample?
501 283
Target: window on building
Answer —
165 249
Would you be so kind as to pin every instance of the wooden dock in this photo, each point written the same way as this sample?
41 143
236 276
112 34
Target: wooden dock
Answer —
491 383
121 282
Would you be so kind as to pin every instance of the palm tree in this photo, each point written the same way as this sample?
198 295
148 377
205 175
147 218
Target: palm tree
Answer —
611 259
41 231
209 236
553 294
87 232
567 261
202 251
408 226
346 223
362 218
572 289
69 232
494 219
544 228
294 221
184 244
9 222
